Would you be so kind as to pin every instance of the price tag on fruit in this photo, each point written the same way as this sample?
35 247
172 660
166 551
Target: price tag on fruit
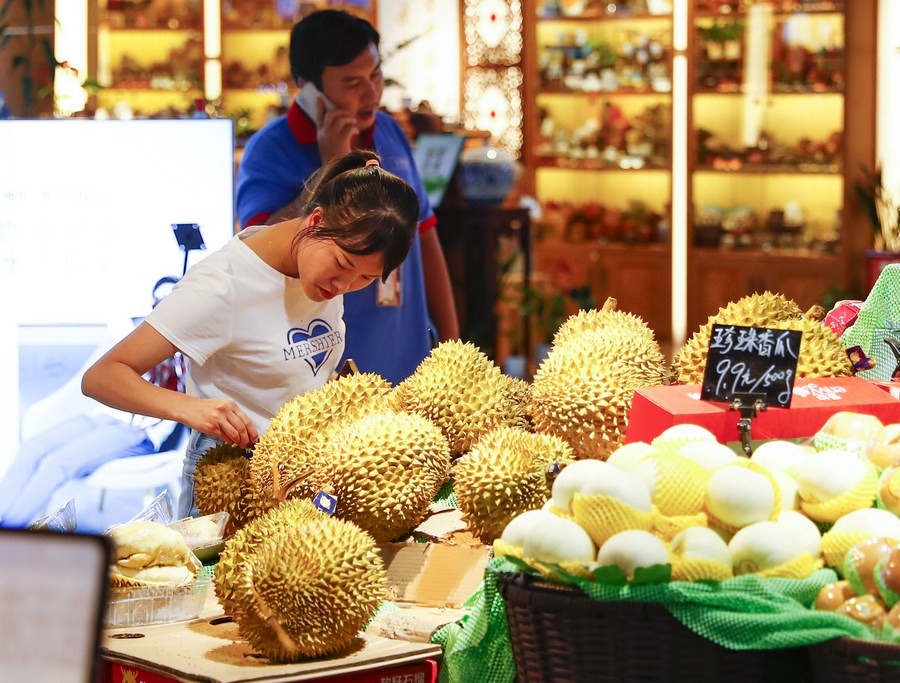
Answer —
756 360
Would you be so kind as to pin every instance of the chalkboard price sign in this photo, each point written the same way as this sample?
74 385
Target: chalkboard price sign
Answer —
756 360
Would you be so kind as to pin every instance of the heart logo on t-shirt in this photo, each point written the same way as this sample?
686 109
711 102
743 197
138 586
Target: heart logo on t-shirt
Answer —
314 341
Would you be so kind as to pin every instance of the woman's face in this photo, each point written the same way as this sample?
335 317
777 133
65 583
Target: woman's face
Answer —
356 87
325 270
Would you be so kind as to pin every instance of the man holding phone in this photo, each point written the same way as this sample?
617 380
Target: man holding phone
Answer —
335 60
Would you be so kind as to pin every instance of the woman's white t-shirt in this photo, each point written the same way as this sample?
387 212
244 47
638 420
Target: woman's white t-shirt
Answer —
250 333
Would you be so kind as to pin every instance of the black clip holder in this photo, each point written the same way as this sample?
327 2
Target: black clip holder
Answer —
750 405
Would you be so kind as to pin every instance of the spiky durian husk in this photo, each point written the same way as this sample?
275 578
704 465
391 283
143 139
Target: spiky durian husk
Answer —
821 353
308 589
582 391
222 484
287 515
384 469
286 451
617 323
507 471
462 391
517 398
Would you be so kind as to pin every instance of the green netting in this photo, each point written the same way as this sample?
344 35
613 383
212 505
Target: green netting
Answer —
744 613
879 317
445 497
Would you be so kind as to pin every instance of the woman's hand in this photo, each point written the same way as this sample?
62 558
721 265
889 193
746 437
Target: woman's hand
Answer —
221 417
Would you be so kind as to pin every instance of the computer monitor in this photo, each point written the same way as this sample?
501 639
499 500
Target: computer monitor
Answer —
87 213
436 156
53 588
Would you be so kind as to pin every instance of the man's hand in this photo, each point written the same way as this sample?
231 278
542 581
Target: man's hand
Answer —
337 132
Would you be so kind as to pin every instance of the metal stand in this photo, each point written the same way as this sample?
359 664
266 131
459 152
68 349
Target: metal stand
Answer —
749 404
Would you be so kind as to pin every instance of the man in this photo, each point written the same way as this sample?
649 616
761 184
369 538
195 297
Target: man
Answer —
334 59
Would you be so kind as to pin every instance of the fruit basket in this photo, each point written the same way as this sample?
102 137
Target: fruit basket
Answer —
852 660
560 634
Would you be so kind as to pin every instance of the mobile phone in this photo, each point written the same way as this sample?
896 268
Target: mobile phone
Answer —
308 99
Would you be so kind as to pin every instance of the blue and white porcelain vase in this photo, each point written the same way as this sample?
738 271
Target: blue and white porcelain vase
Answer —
487 174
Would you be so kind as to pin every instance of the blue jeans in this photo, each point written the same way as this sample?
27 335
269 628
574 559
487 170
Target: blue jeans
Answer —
73 448
198 445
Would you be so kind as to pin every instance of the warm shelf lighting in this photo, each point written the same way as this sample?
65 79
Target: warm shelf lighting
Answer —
70 45
679 232
212 29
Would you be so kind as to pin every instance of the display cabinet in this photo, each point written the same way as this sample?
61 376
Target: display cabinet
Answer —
598 145
775 146
256 71
779 123
159 57
150 58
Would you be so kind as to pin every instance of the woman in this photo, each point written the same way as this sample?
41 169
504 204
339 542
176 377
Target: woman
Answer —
261 319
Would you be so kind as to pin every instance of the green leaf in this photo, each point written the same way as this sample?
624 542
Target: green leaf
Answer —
658 573
610 574
520 564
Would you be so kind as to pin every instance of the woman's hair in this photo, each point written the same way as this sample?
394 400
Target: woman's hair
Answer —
328 37
366 210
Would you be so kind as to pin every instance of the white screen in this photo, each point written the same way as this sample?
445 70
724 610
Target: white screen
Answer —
86 214
52 588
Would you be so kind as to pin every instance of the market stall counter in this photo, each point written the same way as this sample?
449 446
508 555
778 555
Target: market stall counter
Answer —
210 649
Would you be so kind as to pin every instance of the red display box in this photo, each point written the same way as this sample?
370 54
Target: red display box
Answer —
425 671
655 409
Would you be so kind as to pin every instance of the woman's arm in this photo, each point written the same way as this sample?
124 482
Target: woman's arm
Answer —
116 379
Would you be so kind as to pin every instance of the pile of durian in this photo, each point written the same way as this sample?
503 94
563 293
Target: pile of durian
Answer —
300 581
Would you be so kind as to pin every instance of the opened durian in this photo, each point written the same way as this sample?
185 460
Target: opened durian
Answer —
821 352
462 391
222 484
582 391
507 472
286 451
384 470
306 588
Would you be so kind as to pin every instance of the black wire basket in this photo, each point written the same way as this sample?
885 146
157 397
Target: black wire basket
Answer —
559 634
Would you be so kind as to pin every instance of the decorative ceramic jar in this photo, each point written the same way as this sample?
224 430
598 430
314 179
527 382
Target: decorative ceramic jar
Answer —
487 174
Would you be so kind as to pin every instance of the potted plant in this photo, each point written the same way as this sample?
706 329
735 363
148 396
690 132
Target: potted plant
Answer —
722 39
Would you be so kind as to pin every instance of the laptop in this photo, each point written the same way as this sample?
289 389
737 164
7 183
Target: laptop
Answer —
53 588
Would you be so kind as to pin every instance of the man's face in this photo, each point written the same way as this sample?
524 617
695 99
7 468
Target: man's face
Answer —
356 87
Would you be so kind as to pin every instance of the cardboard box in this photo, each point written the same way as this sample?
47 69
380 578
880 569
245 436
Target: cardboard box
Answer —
428 582
211 650
654 409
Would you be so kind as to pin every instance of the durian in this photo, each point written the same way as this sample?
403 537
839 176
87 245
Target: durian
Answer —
821 352
287 515
222 484
286 451
384 469
507 472
582 391
307 588
464 392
